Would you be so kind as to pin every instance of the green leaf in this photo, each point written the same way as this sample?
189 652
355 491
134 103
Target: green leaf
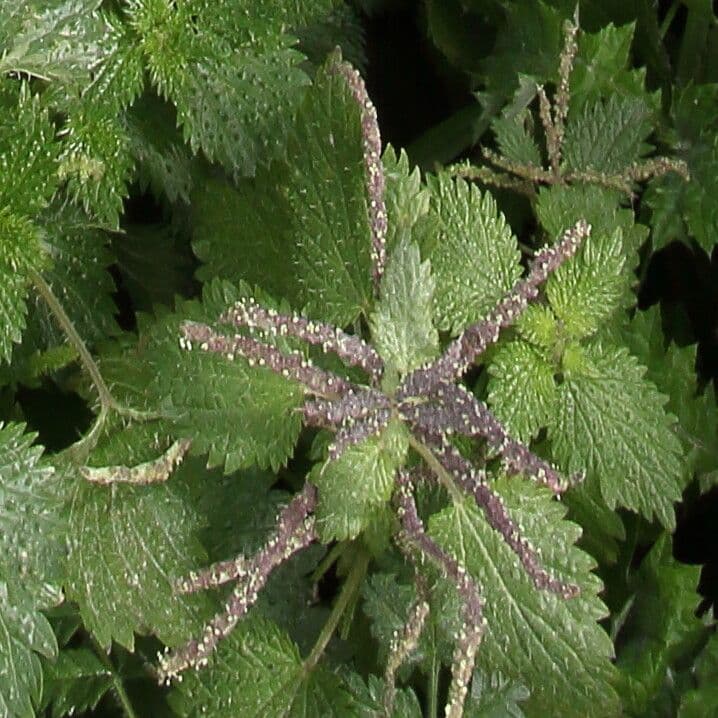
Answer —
31 543
78 276
602 66
608 136
676 204
406 198
96 163
522 389
257 672
327 197
514 140
493 696
20 254
59 41
401 327
672 369
370 697
28 171
703 699
585 291
354 487
163 162
23 631
660 626
231 72
553 646
473 253
611 422
127 546
528 42
310 212
75 682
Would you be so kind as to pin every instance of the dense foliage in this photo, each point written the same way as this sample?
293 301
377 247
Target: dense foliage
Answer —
294 422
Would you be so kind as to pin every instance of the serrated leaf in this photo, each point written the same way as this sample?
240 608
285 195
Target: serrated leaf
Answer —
703 699
662 622
353 487
522 389
28 175
23 630
602 67
585 291
163 163
674 202
537 325
329 203
514 140
406 198
127 546
528 42
672 369
75 682
78 276
96 164
608 136
474 255
20 254
233 81
370 697
342 27
402 329
552 646
611 422
493 696
59 41
257 672
31 537
310 212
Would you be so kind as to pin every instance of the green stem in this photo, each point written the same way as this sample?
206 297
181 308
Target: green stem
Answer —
434 690
106 398
117 686
442 474
328 560
349 590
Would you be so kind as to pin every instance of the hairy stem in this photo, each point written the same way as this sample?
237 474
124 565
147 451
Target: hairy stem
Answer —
348 592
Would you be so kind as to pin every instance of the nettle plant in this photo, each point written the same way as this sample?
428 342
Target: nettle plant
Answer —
348 479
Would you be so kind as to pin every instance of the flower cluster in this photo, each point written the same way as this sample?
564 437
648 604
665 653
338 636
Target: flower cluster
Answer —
431 403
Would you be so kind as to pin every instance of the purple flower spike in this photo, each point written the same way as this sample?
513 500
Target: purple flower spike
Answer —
352 406
295 530
471 632
354 432
351 349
